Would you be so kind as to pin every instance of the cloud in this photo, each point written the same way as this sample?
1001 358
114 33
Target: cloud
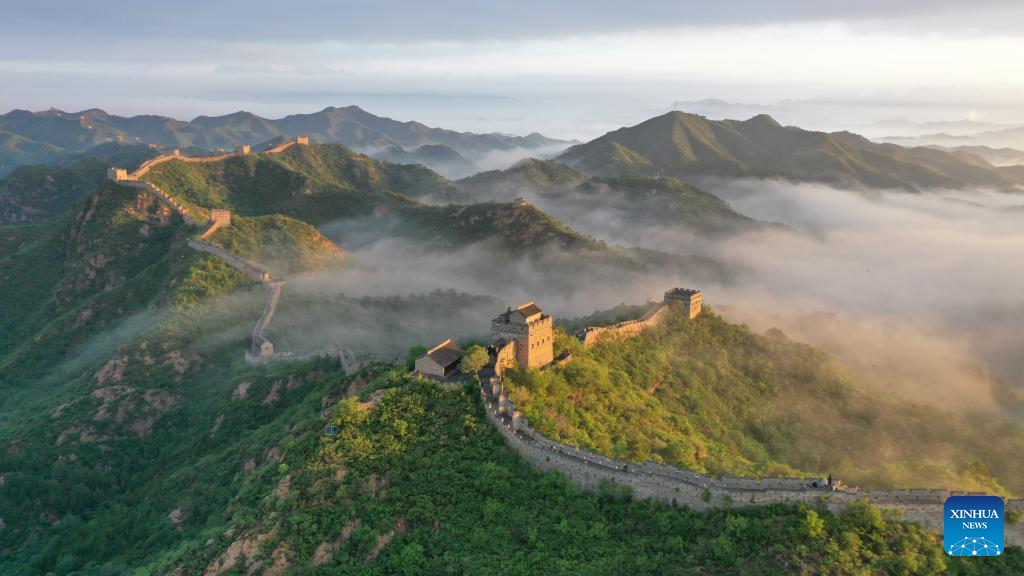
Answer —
916 293
446 20
920 283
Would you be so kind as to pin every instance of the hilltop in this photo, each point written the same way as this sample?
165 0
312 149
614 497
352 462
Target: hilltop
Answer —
713 397
639 199
41 137
440 158
686 146
326 183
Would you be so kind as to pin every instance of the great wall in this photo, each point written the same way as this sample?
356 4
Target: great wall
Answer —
676 486
260 348
587 470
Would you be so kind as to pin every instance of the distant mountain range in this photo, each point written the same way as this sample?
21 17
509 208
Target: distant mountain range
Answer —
41 137
994 156
573 198
442 159
1006 138
687 146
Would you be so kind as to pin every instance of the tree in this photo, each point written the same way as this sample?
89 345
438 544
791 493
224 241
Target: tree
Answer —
474 359
411 356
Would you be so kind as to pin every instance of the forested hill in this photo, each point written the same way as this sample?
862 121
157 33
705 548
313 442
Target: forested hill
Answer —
687 145
420 484
713 397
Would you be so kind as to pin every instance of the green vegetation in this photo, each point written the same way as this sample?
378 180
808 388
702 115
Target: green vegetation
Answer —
280 244
138 441
32 193
679 144
316 183
321 183
529 174
716 398
421 484
474 359
520 229
668 201
16 150
638 196
82 274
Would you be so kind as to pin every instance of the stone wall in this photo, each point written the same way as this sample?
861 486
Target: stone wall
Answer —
164 197
674 486
251 271
261 347
218 219
301 140
148 165
629 329
259 341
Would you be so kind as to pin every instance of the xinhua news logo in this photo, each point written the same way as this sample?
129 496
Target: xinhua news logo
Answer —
974 526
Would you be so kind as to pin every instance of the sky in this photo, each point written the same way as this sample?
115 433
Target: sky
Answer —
566 69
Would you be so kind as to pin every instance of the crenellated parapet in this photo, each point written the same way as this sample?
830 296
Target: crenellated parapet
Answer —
676 486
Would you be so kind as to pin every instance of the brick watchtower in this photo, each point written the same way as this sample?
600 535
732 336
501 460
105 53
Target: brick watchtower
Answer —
690 299
531 330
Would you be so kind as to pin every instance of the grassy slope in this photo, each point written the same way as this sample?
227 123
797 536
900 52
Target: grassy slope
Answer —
280 244
320 183
714 397
16 149
315 183
529 173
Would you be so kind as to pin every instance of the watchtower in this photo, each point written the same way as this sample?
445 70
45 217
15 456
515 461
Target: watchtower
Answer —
690 299
303 140
117 174
221 216
531 331
244 149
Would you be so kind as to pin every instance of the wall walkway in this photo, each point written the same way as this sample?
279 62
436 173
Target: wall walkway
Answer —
274 287
673 485
591 335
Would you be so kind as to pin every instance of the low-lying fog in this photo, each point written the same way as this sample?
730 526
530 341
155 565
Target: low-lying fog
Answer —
920 285
919 293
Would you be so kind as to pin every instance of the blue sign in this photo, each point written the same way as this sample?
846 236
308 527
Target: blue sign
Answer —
331 430
973 526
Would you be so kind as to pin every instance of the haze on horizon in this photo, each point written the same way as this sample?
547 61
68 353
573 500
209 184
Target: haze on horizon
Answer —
571 70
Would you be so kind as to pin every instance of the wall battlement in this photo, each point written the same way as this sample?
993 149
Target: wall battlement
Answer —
690 299
261 347
672 485
675 486
591 335
218 219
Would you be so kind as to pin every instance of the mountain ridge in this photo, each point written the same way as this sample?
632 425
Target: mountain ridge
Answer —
691 146
41 136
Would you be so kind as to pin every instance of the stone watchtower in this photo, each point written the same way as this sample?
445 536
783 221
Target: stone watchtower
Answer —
221 216
531 331
690 299
117 174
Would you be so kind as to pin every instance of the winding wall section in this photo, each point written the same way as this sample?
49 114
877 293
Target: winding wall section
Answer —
261 347
672 485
